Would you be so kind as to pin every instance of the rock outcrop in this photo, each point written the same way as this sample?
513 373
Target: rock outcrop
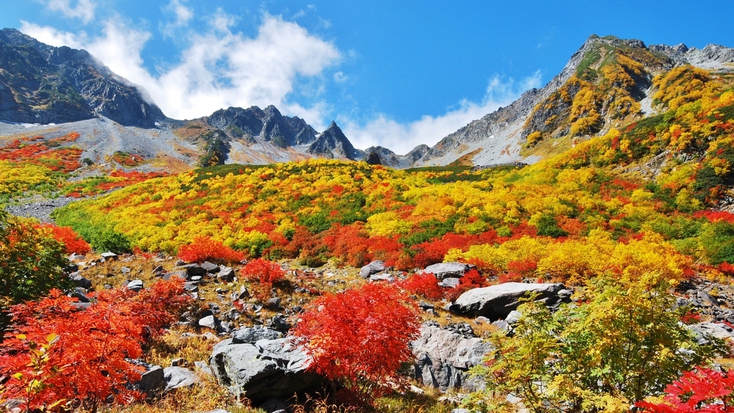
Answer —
45 84
443 358
497 301
259 367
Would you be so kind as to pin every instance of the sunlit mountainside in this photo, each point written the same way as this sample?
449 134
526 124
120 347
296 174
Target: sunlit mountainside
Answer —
596 213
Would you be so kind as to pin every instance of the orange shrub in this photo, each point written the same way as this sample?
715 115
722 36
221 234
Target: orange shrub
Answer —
424 285
73 243
472 279
207 249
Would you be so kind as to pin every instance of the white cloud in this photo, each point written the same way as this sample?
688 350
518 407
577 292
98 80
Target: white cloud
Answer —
401 138
53 37
219 69
84 9
340 77
182 15
221 21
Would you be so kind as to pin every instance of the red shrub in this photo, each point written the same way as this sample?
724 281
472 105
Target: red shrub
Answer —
699 390
264 271
726 268
360 337
82 356
517 270
715 216
73 243
472 279
207 249
424 285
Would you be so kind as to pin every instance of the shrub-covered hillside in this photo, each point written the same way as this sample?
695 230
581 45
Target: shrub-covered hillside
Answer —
652 188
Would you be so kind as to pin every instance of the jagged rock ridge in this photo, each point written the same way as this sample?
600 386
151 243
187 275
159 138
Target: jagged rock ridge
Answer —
553 110
45 84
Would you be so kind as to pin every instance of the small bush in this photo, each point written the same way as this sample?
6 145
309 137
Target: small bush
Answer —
207 249
73 243
698 390
360 337
266 273
60 355
424 285
472 279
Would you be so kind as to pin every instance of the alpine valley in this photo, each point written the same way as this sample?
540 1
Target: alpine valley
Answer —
570 252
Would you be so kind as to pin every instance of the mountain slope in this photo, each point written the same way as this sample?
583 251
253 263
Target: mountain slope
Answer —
607 82
44 84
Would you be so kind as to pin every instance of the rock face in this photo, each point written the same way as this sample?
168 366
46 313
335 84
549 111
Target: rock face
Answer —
267 125
497 138
448 269
45 84
378 155
444 357
332 143
262 369
497 301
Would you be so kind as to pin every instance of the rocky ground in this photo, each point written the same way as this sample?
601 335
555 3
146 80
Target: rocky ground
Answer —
246 346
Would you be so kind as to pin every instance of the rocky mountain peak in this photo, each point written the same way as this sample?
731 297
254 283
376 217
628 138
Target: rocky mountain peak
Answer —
332 143
613 75
46 84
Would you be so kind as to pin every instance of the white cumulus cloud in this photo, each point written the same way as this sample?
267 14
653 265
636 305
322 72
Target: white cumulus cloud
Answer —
83 10
402 137
219 69
182 16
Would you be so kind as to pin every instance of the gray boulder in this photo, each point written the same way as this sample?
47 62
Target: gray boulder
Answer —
443 358
251 335
448 269
263 370
372 268
177 377
80 281
497 301
705 331
135 285
152 380
225 274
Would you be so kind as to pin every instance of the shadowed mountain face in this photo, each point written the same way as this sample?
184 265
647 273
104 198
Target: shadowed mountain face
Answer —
45 84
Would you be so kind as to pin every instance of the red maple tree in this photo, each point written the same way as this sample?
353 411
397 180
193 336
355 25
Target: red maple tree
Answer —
360 337
60 355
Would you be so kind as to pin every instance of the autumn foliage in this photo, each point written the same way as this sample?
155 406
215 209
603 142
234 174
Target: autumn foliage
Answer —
360 337
60 353
73 243
471 279
698 390
207 249
424 285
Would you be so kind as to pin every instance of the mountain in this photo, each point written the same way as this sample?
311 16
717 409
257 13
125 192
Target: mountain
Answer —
384 156
44 84
53 91
606 83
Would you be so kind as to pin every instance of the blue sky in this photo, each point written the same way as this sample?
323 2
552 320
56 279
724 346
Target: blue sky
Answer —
391 73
